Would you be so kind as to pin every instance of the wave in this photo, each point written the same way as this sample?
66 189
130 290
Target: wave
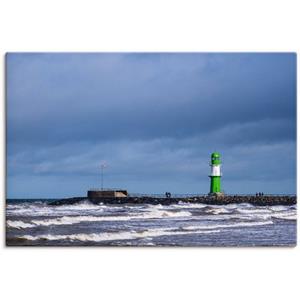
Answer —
280 208
254 211
125 235
279 212
159 214
241 224
186 205
294 218
45 210
288 215
217 210
68 220
79 206
19 224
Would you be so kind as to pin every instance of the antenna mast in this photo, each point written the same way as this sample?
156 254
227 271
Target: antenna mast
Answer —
103 165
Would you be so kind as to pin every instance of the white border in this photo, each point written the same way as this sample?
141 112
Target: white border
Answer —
110 273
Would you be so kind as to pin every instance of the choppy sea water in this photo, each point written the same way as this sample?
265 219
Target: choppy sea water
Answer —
39 224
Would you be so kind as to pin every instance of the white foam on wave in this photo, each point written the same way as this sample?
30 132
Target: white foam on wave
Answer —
254 211
287 215
45 210
279 208
240 224
294 218
217 210
186 205
279 212
19 224
125 235
13 206
159 214
220 217
78 219
29 209
231 206
68 220
79 206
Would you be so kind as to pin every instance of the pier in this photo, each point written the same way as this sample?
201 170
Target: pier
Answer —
264 200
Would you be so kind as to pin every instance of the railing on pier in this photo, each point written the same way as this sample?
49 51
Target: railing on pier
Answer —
105 189
164 195
262 195
206 195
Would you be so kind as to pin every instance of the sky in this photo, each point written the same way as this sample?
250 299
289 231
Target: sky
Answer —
153 118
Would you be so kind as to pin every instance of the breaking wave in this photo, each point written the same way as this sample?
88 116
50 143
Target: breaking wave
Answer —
125 235
68 220
253 211
186 205
287 215
241 224
19 224
217 210
46 210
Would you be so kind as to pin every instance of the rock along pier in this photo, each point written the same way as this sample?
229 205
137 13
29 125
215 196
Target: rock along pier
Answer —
207 199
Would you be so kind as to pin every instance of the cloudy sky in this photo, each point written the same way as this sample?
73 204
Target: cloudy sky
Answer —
153 118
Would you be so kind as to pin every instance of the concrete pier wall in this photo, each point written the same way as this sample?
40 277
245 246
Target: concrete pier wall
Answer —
106 194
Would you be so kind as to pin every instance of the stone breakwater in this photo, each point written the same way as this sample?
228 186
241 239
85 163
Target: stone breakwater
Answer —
213 200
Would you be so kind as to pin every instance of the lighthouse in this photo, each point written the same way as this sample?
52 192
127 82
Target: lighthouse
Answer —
215 175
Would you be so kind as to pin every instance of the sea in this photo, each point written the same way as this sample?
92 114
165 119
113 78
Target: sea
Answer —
36 223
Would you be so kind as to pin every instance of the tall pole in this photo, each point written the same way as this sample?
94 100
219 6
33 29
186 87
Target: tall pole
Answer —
102 177
103 165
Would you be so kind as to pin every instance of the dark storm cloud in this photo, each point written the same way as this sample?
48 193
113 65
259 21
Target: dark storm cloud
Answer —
152 115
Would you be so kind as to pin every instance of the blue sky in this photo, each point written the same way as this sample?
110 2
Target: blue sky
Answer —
154 118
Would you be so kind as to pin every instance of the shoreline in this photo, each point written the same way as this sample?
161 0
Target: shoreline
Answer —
210 199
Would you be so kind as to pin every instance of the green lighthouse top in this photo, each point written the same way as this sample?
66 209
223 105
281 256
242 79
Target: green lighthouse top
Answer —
215 158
